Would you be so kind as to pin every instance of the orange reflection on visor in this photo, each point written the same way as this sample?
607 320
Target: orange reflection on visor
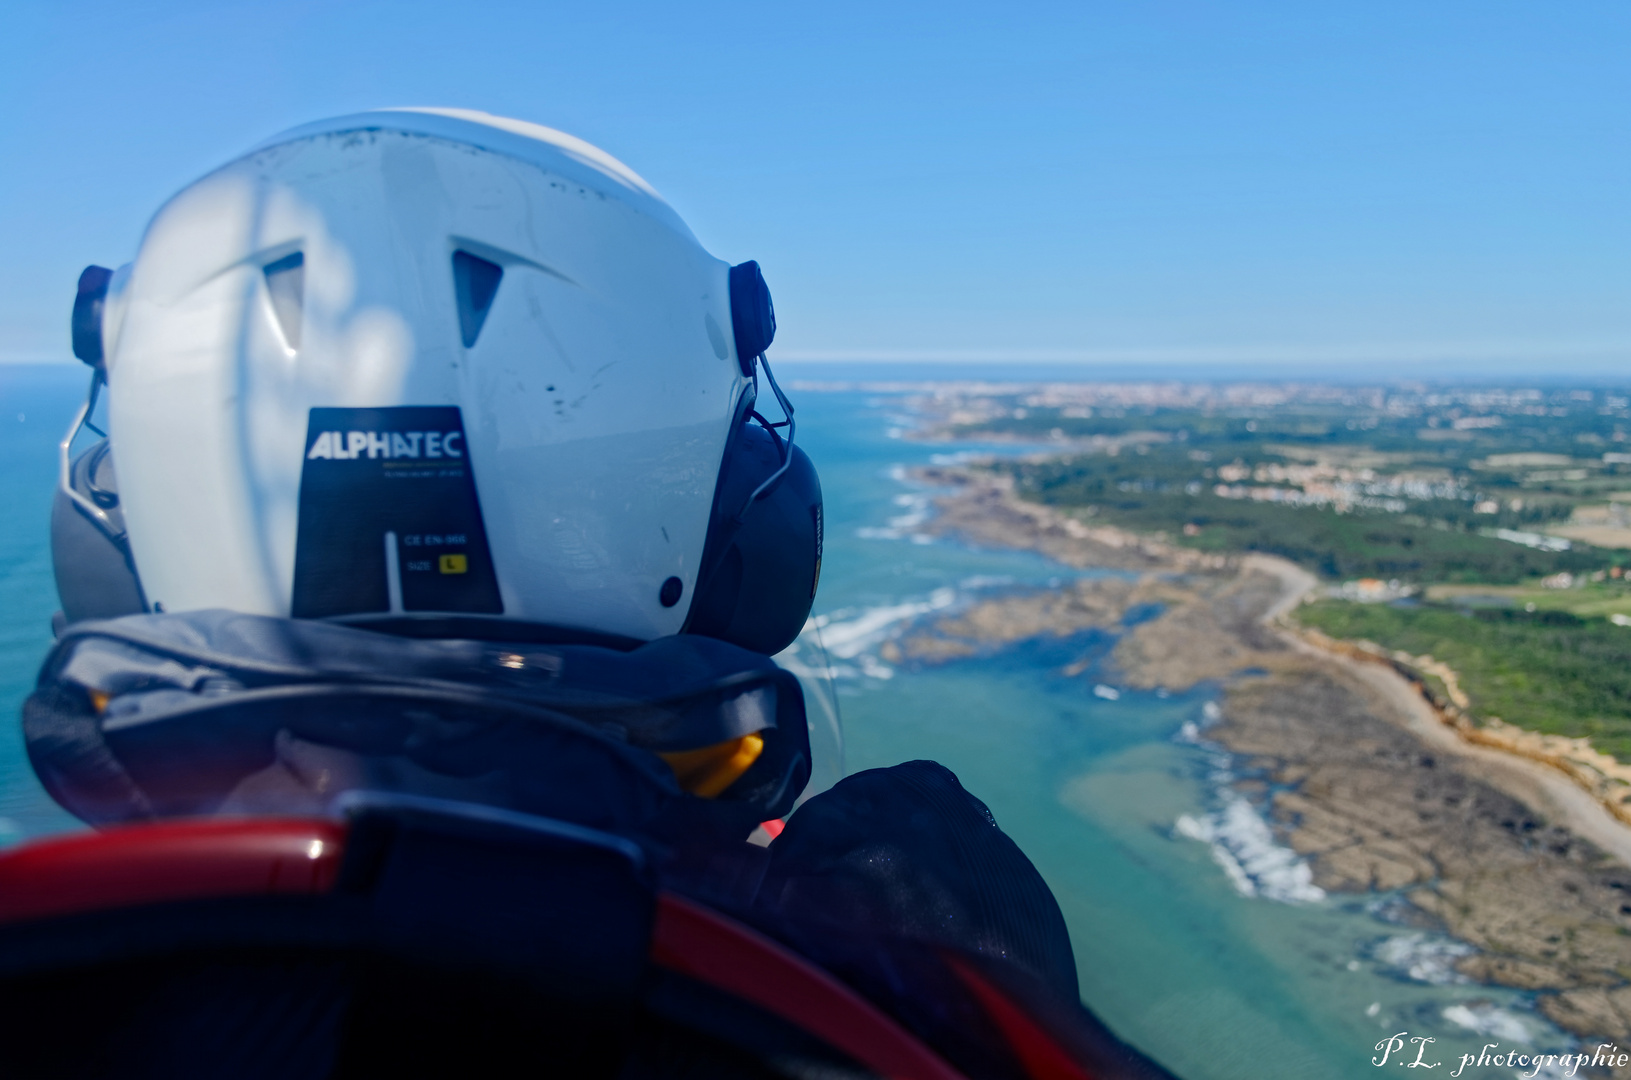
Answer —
711 769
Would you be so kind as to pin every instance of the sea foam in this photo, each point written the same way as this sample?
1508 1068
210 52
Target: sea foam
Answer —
1486 1019
1423 957
1243 845
902 526
851 634
1242 842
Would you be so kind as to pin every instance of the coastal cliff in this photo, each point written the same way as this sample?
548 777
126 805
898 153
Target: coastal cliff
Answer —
1351 763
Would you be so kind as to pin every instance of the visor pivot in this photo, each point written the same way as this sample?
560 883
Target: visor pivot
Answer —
669 594
87 319
753 317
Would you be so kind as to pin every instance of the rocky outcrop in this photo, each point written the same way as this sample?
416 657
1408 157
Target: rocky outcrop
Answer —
1350 784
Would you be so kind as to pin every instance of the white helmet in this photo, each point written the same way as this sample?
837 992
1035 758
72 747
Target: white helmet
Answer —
429 368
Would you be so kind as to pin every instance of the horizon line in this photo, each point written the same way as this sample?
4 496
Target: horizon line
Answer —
1595 354
1456 352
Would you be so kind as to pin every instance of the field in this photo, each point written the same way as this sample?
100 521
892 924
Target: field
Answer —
1586 600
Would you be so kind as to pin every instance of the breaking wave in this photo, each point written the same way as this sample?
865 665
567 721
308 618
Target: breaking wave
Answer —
1423 958
1483 1018
850 635
902 526
1190 732
1242 842
1243 845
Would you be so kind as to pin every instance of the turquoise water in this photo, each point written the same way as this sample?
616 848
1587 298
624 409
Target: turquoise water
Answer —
36 404
1214 983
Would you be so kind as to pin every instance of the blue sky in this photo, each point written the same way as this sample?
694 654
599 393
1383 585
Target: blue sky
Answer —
1327 186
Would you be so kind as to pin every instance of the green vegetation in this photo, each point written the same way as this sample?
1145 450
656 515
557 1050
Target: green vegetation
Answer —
1548 671
1165 489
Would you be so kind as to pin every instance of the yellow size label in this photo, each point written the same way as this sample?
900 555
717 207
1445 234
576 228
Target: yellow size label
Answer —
452 564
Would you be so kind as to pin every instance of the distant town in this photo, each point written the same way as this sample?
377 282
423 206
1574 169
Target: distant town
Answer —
1549 470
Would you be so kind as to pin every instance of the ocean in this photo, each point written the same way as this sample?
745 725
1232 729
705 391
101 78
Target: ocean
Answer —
1198 936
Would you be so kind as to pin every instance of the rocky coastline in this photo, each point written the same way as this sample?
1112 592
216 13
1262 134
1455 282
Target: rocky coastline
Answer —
1369 782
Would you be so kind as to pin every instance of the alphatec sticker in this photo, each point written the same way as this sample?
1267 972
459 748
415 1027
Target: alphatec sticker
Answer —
389 520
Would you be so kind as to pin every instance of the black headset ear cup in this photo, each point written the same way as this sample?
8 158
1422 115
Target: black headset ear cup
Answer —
759 575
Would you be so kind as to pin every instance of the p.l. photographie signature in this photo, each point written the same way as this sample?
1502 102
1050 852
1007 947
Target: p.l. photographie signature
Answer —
1395 1049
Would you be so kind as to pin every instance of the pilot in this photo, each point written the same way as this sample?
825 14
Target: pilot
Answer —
444 474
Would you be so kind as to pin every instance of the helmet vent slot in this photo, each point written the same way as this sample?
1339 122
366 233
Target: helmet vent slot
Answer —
475 282
286 282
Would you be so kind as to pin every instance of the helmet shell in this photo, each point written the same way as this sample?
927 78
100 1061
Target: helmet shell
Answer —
596 394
